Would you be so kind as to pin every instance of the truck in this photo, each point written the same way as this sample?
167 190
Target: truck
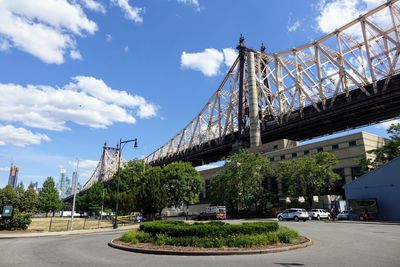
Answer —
213 213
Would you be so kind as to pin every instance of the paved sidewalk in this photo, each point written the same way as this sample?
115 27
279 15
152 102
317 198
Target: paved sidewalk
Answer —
66 233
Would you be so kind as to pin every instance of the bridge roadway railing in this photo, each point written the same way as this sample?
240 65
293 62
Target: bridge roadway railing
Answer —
357 62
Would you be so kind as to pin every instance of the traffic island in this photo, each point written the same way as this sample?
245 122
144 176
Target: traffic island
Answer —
214 238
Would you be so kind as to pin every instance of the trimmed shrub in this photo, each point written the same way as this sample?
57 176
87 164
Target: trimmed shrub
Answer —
19 221
130 237
212 229
211 235
287 235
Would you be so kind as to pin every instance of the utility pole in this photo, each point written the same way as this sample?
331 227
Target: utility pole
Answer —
74 182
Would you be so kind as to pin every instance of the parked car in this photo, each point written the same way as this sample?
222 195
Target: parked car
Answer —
344 215
319 214
213 213
293 214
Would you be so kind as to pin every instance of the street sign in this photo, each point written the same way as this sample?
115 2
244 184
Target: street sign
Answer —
7 211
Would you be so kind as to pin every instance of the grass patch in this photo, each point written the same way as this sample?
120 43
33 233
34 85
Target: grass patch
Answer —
211 235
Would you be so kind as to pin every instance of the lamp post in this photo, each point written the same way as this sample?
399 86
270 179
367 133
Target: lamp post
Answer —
119 149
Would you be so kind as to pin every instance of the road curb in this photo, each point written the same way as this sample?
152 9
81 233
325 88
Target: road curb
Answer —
112 244
65 233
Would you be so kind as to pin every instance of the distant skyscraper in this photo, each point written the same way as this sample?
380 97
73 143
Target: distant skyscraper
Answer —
13 178
63 184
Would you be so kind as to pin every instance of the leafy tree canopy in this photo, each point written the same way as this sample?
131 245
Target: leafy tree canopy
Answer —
385 153
308 176
48 198
183 182
239 183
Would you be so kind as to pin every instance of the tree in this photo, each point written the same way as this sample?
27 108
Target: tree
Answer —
29 201
183 183
385 153
308 176
151 192
93 199
48 197
8 196
239 183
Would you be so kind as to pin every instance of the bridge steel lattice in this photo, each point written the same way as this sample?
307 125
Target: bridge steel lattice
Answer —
345 79
106 168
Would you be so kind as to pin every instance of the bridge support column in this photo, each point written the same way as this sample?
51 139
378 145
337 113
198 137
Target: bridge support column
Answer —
255 136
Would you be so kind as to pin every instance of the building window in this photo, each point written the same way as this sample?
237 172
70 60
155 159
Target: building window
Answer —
335 147
282 157
320 149
275 147
294 155
355 172
306 152
271 159
352 143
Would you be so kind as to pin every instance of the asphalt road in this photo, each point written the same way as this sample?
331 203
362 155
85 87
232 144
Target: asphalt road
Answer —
335 244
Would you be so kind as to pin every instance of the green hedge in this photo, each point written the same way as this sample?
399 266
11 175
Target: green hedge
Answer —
283 235
213 229
19 221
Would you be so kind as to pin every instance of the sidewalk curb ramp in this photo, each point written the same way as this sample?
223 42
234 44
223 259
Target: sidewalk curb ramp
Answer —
216 252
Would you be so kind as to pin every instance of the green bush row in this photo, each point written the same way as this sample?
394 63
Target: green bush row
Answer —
212 229
19 221
283 235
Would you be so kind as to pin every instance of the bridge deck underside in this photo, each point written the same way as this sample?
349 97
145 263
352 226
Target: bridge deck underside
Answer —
345 113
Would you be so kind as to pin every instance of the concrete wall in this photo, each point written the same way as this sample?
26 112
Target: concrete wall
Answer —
382 184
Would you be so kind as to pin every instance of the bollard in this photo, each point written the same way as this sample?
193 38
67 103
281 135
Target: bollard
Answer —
51 221
67 225
84 223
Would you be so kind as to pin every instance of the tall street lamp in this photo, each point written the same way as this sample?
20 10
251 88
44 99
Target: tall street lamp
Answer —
119 149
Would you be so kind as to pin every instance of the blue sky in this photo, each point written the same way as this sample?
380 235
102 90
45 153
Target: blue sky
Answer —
77 73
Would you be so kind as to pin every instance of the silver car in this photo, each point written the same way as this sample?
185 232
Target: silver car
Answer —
294 214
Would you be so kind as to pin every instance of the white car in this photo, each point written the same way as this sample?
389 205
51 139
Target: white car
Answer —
294 214
319 214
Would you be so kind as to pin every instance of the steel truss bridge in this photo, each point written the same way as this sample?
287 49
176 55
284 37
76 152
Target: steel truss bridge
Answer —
345 79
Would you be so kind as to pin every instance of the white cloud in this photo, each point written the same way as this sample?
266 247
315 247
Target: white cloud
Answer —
108 38
126 49
10 135
131 12
86 101
100 90
86 168
75 54
386 124
4 169
46 28
4 45
293 26
94 5
209 61
230 56
334 14
85 164
194 3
